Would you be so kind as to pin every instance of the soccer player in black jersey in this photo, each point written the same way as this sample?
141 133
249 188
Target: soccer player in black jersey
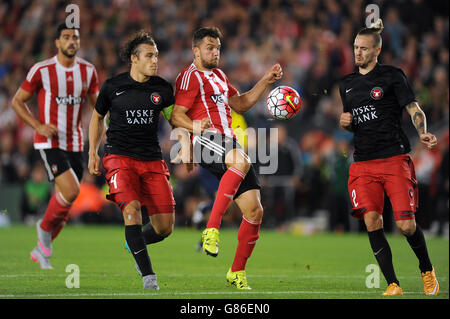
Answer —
135 171
373 99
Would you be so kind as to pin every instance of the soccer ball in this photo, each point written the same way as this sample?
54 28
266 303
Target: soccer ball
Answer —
284 102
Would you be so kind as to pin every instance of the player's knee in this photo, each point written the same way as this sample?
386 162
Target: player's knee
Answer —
255 214
407 227
166 231
71 194
163 228
243 166
373 221
238 160
132 213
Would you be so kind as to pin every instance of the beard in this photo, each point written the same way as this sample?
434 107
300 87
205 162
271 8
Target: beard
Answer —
210 65
365 63
67 54
362 64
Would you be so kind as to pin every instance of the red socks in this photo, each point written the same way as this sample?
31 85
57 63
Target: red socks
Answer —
228 186
248 234
56 215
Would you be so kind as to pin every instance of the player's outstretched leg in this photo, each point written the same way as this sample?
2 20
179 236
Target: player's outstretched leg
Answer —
228 186
238 165
416 240
248 234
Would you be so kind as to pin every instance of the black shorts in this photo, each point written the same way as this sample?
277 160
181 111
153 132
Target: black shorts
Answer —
58 161
210 149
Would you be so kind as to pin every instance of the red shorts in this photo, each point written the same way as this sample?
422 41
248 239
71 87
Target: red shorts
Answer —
133 179
369 180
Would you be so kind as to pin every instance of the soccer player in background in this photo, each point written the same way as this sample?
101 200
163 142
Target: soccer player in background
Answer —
135 171
203 102
61 83
373 99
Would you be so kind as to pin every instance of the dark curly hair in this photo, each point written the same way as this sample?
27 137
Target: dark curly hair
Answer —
132 46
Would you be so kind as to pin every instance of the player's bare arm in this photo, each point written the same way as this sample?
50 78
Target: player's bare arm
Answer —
92 99
96 129
345 121
186 153
419 121
241 103
22 110
180 119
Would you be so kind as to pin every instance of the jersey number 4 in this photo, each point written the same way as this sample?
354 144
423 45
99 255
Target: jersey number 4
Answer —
113 181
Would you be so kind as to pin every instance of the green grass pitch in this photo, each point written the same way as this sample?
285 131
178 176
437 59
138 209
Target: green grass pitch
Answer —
283 266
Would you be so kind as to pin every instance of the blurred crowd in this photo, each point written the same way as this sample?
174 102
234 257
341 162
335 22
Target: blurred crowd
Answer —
312 40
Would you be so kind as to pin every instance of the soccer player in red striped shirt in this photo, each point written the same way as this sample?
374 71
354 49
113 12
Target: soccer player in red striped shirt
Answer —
61 83
203 101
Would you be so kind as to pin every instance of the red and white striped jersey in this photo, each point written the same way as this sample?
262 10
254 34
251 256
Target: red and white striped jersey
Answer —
206 94
60 94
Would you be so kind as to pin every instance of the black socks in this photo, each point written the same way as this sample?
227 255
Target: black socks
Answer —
150 235
383 254
136 243
418 245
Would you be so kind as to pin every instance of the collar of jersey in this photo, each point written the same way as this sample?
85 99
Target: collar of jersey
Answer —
63 67
205 72
371 71
139 83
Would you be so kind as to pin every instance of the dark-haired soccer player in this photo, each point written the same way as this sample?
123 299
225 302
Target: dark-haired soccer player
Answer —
373 99
61 82
135 171
204 94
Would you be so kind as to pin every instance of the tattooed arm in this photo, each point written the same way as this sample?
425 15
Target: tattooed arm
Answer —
420 123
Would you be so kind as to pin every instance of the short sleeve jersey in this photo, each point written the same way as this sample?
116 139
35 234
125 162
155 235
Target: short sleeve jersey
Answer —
61 93
206 94
376 101
134 114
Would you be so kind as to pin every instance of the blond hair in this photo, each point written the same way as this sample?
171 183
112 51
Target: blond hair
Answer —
374 30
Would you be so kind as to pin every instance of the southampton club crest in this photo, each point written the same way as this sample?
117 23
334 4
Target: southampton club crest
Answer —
156 98
376 93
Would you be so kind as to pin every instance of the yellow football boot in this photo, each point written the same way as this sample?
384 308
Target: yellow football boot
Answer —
210 239
238 279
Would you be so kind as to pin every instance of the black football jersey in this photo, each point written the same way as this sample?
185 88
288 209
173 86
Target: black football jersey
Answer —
376 101
134 114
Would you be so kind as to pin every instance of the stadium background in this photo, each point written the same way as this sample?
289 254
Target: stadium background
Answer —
312 40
